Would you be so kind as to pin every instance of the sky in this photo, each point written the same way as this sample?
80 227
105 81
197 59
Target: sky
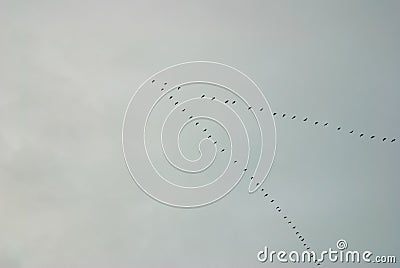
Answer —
69 68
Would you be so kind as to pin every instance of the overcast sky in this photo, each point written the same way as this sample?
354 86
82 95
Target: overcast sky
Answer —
69 68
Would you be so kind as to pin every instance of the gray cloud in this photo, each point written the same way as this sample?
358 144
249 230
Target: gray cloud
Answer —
68 69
